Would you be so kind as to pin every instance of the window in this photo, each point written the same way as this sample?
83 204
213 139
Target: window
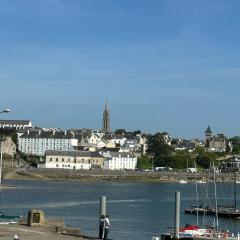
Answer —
56 159
50 159
62 159
56 165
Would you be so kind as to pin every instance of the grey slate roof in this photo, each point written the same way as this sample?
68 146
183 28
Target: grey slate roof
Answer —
122 154
44 134
73 153
208 130
15 122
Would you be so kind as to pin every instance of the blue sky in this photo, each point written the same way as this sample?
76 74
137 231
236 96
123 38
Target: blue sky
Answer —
165 65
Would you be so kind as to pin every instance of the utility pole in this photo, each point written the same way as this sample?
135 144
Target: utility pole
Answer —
1 158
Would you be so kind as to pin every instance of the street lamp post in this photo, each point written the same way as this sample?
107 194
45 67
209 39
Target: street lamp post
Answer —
7 110
1 158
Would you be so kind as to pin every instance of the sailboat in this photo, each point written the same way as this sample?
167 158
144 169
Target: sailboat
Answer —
223 211
194 232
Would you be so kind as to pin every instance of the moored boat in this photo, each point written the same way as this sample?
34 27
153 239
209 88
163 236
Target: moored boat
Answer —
197 233
222 211
182 181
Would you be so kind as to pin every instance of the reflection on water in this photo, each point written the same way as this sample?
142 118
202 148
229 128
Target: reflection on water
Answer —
137 210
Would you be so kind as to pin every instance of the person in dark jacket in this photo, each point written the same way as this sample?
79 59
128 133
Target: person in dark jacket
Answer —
101 227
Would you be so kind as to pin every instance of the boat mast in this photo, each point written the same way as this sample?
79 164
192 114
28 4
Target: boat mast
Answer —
235 191
196 185
215 195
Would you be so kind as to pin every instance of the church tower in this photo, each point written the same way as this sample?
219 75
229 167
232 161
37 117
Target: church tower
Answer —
106 119
208 136
208 133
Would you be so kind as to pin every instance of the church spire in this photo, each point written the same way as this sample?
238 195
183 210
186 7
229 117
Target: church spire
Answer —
106 118
106 104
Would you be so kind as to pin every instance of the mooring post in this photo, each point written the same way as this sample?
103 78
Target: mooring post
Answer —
103 206
103 211
177 214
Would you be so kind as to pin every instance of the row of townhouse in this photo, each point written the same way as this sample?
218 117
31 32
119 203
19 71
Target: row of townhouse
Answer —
89 160
72 160
37 142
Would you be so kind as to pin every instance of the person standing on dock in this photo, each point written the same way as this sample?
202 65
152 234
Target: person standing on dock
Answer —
101 226
106 227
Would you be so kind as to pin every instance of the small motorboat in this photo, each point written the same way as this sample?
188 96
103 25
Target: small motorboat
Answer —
201 181
182 181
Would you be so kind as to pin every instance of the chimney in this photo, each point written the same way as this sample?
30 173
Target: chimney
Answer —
65 133
53 132
28 132
39 132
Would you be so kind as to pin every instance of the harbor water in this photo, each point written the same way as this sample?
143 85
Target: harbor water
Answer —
137 210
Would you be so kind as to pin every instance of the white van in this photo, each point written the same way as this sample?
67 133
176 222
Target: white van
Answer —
191 170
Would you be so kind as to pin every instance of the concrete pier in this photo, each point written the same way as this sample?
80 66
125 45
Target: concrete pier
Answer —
50 230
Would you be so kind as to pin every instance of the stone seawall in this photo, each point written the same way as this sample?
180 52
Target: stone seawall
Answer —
103 175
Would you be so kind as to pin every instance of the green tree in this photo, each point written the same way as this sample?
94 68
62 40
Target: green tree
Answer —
236 144
120 131
136 132
205 159
144 162
160 150
32 160
182 160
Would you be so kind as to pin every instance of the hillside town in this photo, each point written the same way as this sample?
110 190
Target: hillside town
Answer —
85 149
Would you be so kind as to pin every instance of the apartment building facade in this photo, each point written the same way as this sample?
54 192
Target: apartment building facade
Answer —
120 161
73 160
37 142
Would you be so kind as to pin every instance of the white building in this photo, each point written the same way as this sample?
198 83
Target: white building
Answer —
72 160
119 141
94 138
120 161
37 142
9 147
16 124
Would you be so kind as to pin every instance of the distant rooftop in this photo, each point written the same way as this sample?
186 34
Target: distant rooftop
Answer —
15 122
73 153
44 134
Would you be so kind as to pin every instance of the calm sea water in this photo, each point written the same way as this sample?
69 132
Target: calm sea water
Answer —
137 211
